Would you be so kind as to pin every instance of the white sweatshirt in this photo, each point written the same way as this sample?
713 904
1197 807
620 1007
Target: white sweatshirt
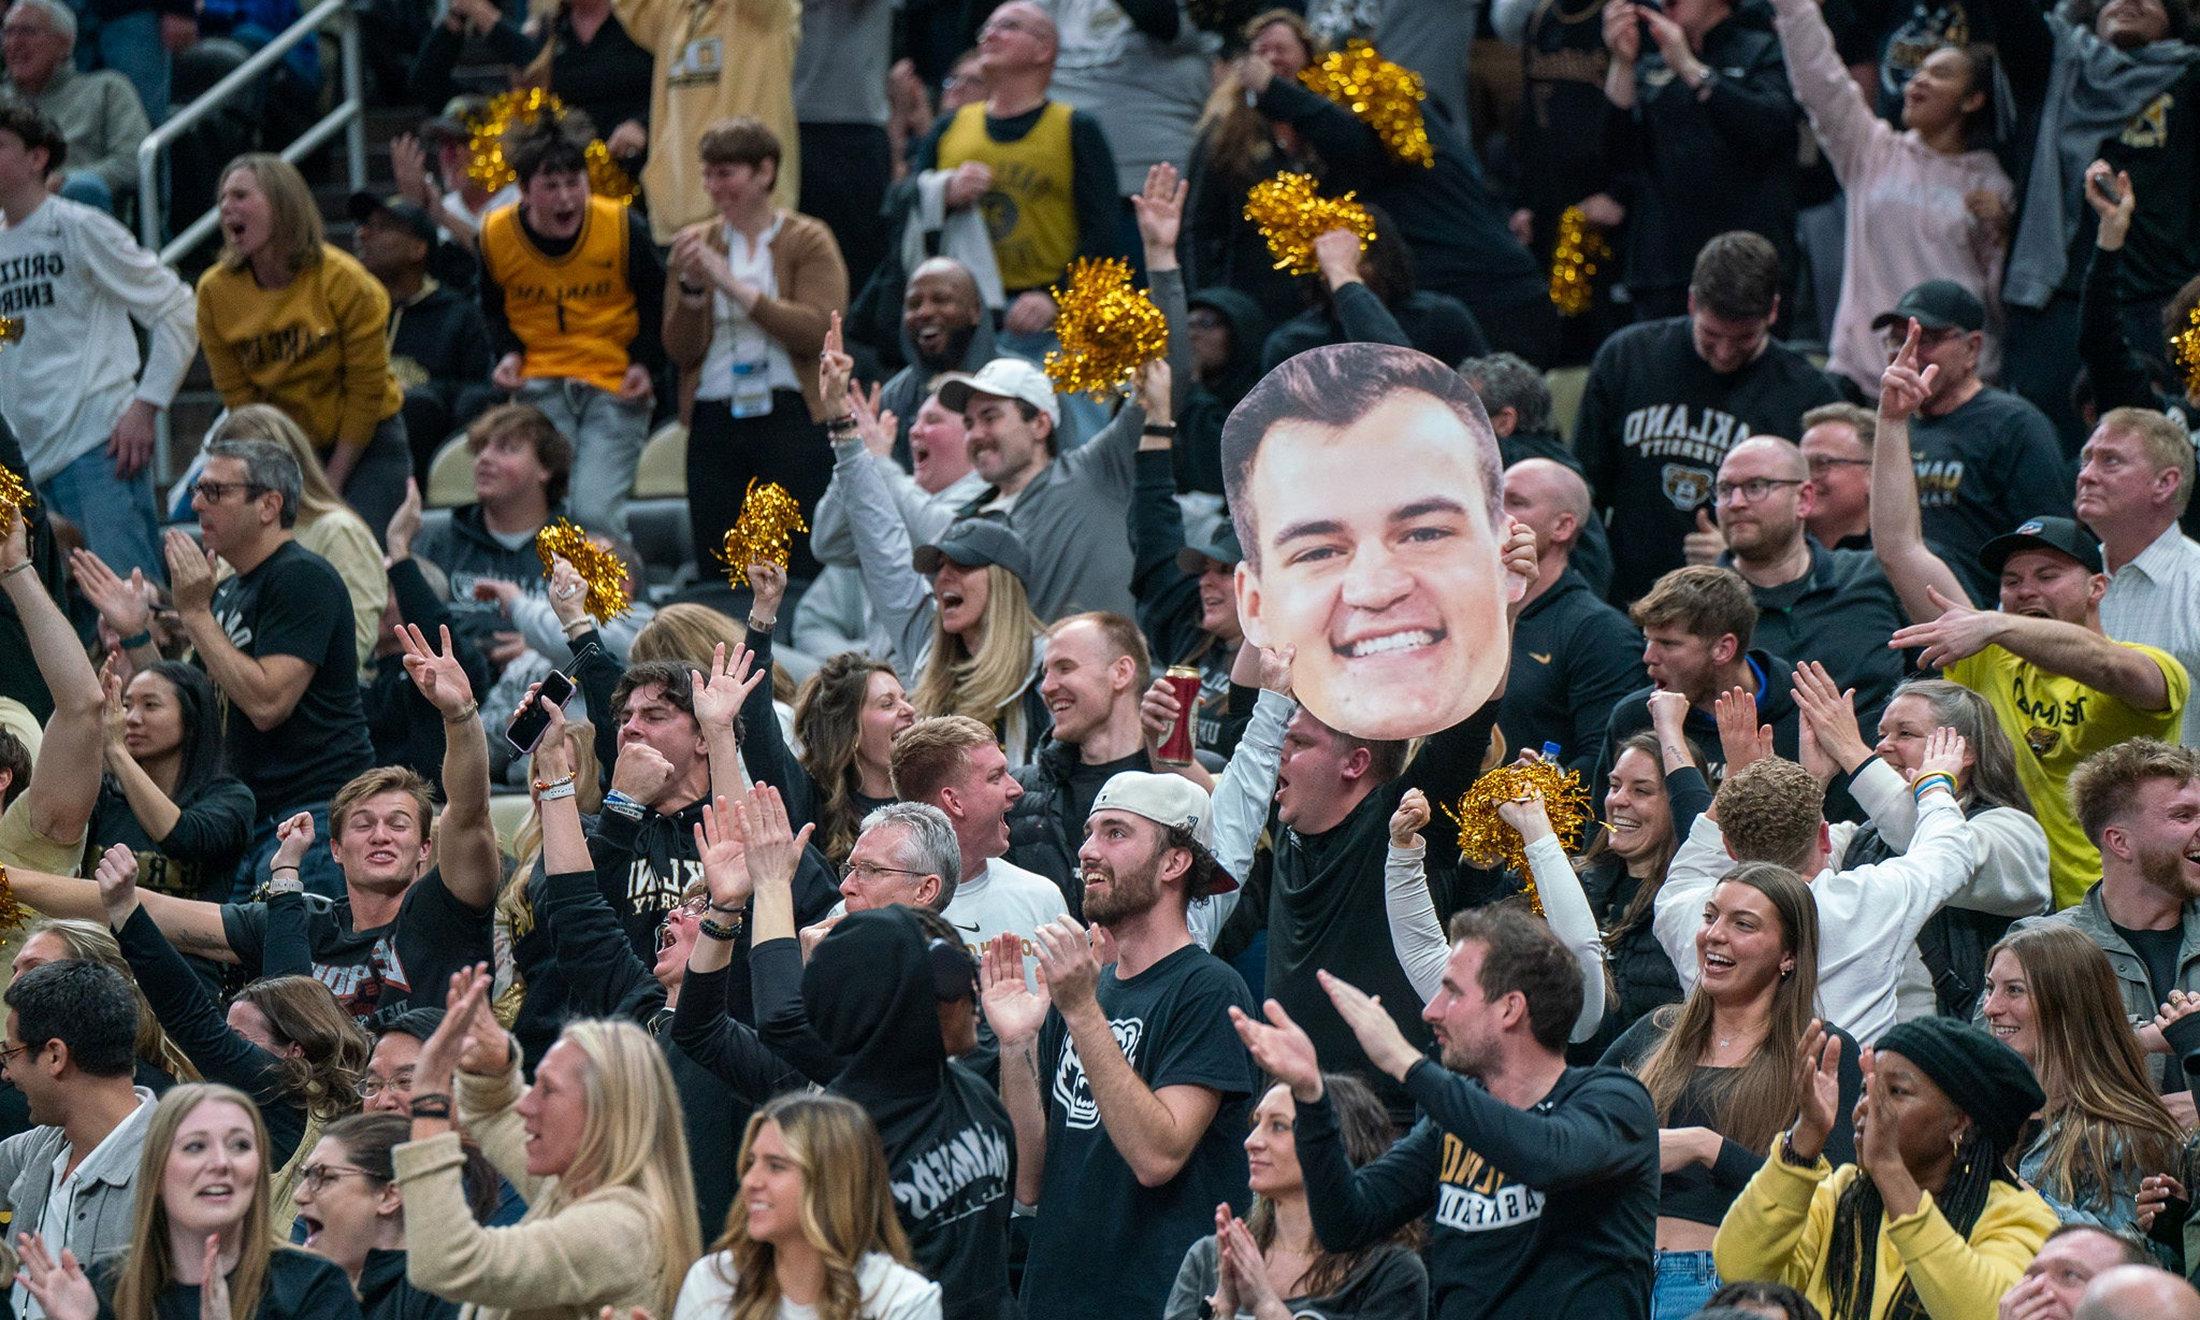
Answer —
890 1291
1868 917
74 279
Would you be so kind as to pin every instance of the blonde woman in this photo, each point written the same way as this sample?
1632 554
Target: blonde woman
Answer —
203 1229
595 1145
813 1226
288 319
326 525
53 939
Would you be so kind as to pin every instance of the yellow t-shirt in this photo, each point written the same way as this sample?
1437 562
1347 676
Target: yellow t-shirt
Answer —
1031 209
576 313
2056 722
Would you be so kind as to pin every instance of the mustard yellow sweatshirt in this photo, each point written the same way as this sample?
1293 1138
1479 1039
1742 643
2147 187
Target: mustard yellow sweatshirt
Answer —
317 348
1778 1228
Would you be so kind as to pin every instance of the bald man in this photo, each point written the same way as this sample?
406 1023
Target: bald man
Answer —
1572 654
944 327
1833 606
2139 1292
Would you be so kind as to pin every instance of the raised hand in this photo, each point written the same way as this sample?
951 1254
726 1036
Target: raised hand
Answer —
1385 1046
1157 712
772 847
1707 543
1818 1082
469 1038
59 1286
1668 714
1066 959
1903 389
835 369
1943 754
2115 216
1528 816
718 848
768 588
1407 820
719 693
1225 1302
568 593
1282 1049
1741 738
125 603
1160 211
1248 1271
1623 31
190 573
117 877
436 673
1521 566
642 772
1829 714
293 838
1012 1008
213 1284
1961 631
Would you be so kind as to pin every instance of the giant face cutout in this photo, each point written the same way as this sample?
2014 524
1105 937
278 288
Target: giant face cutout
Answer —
1364 480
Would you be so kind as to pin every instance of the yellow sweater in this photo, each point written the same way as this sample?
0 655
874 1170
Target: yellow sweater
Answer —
715 59
603 1249
317 348
1778 1229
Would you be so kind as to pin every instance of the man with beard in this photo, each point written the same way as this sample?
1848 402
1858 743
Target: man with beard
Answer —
944 327
2060 686
1539 1181
1135 1136
2139 804
1833 606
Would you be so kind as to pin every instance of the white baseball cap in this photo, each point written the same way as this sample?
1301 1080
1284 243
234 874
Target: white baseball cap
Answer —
1166 800
1007 378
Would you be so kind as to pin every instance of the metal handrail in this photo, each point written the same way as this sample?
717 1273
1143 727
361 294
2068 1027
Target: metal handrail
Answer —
348 115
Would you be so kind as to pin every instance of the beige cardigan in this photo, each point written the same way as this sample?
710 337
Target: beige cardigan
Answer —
813 284
601 1250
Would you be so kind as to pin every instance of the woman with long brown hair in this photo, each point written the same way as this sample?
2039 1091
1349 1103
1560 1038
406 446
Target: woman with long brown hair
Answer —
1720 1067
2051 996
203 1229
1270 1262
813 1225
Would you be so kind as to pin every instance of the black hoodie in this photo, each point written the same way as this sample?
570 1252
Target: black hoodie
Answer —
950 1150
1207 403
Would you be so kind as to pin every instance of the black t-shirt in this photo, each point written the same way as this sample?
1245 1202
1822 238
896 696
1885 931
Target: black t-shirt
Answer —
1981 470
294 604
1656 422
200 854
372 971
2161 149
1085 783
2158 949
1173 1023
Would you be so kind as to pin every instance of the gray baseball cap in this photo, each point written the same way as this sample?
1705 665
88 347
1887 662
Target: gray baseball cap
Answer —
974 543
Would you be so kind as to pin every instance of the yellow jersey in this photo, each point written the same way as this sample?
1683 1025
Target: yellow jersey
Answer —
576 314
1031 209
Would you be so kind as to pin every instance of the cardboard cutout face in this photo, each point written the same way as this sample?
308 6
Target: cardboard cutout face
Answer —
1366 504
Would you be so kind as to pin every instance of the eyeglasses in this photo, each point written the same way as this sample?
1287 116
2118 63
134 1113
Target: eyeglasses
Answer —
371 1087
1821 462
214 492
1752 490
7 1056
867 872
694 907
318 1176
1898 335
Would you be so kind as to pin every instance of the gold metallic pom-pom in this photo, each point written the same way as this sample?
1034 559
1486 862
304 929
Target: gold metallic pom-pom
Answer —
487 165
10 330
1108 329
603 571
764 533
2184 350
1487 841
1290 213
15 496
1385 96
1575 260
11 912
608 178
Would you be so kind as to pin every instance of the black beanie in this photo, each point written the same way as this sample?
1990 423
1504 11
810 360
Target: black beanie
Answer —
1981 1076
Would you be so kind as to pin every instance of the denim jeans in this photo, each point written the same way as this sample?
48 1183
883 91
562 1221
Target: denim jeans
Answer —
115 513
607 434
131 46
1684 1281
317 869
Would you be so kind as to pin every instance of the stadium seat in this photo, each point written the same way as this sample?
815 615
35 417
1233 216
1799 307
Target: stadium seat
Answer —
508 812
1566 384
662 472
451 476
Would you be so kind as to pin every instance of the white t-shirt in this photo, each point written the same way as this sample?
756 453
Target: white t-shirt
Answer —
890 1291
1005 899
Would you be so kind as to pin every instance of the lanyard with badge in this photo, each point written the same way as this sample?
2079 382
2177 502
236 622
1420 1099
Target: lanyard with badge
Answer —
751 346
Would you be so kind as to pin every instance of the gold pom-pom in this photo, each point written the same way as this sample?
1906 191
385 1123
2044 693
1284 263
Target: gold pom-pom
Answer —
10 330
1487 841
1291 213
1108 329
15 496
608 178
2184 350
1578 254
11 912
1385 96
487 165
764 533
603 571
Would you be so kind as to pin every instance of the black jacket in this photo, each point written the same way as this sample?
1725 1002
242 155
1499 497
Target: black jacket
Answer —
1206 404
439 348
1573 658
406 727
1840 613
19 676
386 1294
1045 828
1439 326
1168 604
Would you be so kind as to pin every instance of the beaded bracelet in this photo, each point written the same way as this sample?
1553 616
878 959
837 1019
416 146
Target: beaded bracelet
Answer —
718 930
1926 782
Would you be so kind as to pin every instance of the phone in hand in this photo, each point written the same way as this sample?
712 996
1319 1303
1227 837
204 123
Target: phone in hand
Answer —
526 728
2104 183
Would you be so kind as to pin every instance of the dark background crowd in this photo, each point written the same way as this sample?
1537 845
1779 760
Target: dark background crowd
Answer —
431 830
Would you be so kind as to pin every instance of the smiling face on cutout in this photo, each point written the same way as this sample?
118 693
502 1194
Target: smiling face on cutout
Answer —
1378 563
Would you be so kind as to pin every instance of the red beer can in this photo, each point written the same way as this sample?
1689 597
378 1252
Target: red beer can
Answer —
1177 748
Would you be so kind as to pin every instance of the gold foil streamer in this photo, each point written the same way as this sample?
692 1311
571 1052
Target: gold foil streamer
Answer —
1385 96
2184 350
1487 841
603 571
10 330
764 533
15 496
1578 255
486 164
1108 329
1291 213
12 914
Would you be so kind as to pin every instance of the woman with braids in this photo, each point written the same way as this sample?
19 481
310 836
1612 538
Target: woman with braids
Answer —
1720 1070
1269 1265
813 1230
1930 1220
2051 996
2009 875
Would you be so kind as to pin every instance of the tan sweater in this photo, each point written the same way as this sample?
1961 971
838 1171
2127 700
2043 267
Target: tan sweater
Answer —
601 1250
813 284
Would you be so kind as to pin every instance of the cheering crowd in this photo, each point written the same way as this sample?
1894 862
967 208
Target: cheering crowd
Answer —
1610 735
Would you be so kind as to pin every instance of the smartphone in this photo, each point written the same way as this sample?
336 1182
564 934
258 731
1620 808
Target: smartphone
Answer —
2105 185
526 728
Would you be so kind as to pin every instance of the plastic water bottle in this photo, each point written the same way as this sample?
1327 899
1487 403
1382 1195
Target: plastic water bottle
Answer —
1550 752
752 387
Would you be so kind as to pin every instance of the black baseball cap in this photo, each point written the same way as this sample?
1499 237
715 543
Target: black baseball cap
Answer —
457 119
1936 305
364 206
974 543
2062 535
1215 542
